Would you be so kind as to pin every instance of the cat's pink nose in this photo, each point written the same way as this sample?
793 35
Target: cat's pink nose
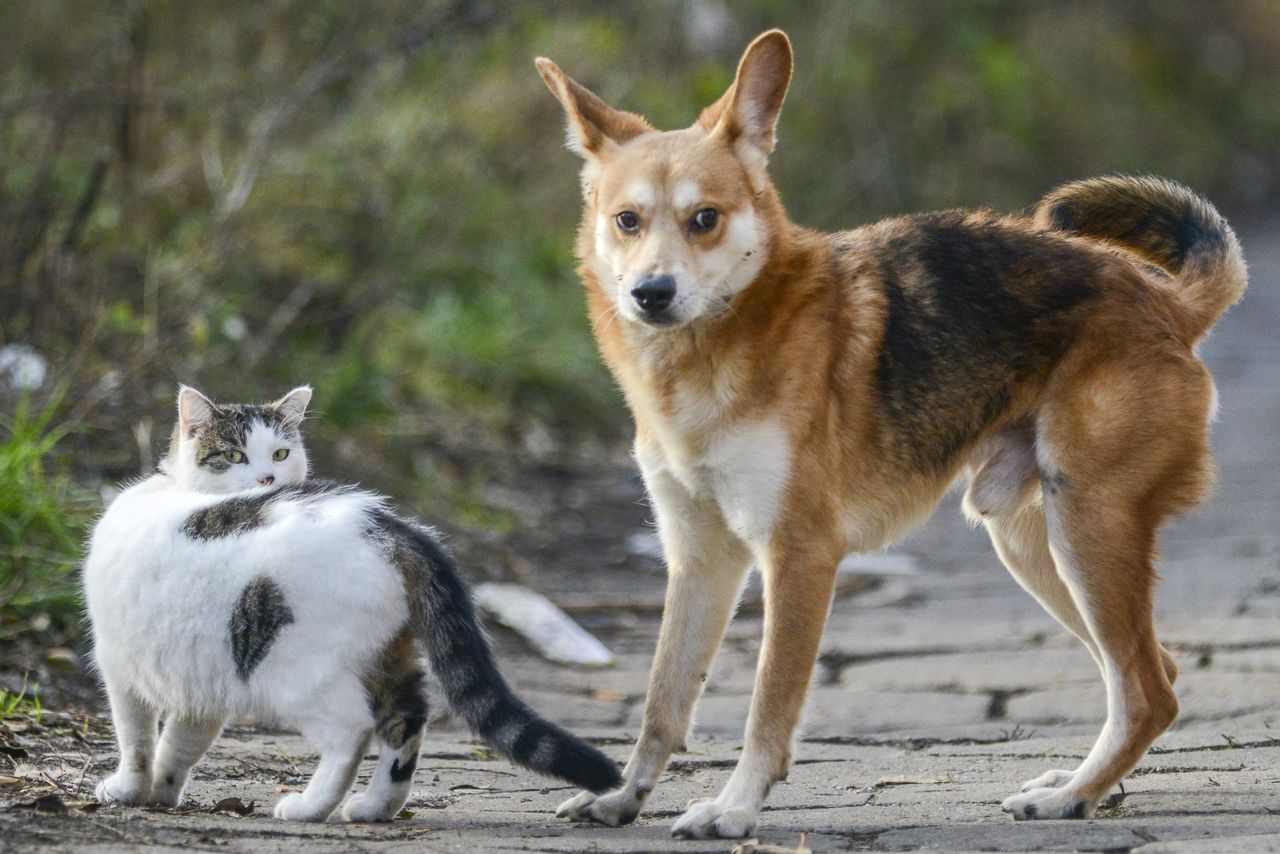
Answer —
267 479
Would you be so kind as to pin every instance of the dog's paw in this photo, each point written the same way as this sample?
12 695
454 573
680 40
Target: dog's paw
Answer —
614 809
360 807
1055 779
121 788
295 808
1048 803
707 819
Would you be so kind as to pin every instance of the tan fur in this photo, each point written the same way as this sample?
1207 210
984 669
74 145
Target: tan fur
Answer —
1072 398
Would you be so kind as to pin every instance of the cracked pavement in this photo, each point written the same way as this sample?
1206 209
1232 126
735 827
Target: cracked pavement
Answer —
937 694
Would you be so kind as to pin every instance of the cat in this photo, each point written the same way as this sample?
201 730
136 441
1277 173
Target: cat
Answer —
226 584
233 447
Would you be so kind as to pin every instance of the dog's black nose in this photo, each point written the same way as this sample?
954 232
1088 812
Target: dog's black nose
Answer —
655 294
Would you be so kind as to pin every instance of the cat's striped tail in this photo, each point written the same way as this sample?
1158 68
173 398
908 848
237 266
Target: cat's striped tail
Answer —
443 617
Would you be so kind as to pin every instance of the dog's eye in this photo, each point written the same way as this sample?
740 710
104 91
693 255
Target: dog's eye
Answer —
234 456
628 221
704 220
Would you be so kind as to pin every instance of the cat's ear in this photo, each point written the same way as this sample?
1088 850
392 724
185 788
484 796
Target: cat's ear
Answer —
293 406
194 409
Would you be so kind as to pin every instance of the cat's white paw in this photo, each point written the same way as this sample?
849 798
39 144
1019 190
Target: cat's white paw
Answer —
707 819
122 788
295 808
166 796
168 791
1048 803
360 807
1055 779
614 809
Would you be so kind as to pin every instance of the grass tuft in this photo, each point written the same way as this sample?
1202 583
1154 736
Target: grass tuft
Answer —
43 520
24 703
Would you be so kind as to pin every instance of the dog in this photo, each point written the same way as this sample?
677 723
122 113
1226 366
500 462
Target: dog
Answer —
800 395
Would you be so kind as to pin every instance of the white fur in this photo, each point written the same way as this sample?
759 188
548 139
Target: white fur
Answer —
160 604
749 467
642 195
606 250
743 468
686 194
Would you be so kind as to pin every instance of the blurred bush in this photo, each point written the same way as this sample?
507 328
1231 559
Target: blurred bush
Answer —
373 197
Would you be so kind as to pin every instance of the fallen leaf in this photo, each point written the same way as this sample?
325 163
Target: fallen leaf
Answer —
405 814
90 807
283 789
232 805
467 786
6 780
611 694
61 655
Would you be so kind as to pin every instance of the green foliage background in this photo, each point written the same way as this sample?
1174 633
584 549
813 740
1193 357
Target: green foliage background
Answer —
373 197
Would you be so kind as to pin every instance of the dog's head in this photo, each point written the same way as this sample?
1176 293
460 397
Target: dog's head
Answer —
678 217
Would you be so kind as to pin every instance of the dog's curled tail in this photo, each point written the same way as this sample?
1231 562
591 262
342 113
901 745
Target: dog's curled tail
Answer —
1167 225
443 617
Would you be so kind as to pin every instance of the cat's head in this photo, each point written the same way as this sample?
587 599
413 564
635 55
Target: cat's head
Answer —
235 447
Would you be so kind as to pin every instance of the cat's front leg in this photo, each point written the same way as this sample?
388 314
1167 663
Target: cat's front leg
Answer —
182 744
135 724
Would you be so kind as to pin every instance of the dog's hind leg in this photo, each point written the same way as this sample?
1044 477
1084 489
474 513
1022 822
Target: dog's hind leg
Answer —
799 579
1022 541
706 566
1106 492
1111 575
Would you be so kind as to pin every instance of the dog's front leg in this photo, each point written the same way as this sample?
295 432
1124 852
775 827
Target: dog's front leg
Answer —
799 579
706 564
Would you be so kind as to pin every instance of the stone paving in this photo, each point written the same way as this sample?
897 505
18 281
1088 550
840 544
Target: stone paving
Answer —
937 694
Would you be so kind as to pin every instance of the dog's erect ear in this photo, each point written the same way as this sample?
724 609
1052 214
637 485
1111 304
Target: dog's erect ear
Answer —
748 112
194 409
593 124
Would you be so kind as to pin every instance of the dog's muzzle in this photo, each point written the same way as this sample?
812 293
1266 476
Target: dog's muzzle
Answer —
654 296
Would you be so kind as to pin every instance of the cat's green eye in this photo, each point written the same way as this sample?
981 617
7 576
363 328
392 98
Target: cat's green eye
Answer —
234 456
280 455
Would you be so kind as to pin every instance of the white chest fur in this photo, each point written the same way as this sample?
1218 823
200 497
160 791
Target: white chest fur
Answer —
744 467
